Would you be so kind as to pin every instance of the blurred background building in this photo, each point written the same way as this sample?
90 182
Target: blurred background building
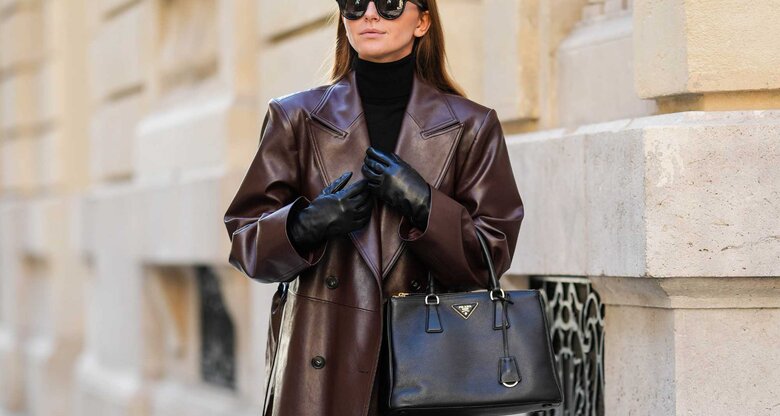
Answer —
645 138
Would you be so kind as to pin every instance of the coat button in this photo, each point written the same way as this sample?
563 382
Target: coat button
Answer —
318 362
415 285
332 282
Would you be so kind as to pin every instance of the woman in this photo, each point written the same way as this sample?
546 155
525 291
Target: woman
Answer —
357 190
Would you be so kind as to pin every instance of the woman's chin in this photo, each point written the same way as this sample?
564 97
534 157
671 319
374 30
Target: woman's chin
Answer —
374 54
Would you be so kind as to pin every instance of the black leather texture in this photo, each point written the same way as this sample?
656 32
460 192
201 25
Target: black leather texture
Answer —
399 185
458 368
337 210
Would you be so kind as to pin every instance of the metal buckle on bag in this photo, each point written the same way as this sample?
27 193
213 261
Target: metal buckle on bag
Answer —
429 295
503 295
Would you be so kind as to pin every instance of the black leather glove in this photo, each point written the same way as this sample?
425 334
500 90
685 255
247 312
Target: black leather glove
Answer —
335 211
399 185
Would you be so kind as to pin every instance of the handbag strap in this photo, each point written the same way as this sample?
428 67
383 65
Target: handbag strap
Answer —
493 280
282 288
508 370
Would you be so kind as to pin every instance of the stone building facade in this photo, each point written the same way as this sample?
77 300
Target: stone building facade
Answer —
645 137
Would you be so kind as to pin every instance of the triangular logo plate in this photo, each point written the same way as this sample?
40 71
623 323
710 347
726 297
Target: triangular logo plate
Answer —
465 309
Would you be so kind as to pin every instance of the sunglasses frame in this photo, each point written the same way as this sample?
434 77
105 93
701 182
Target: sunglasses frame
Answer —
342 3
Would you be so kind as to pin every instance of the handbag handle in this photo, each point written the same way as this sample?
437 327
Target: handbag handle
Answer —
493 281
508 370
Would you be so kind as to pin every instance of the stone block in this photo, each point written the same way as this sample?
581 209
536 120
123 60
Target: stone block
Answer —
189 42
668 339
115 290
679 346
711 190
661 64
110 6
35 241
557 20
596 74
49 376
80 237
467 41
275 18
639 361
12 389
21 37
21 100
726 361
31 162
47 90
689 194
237 50
612 7
101 390
52 159
615 207
182 222
701 46
12 289
188 136
19 164
689 292
296 64
119 54
592 11
112 137
171 398
510 69
550 161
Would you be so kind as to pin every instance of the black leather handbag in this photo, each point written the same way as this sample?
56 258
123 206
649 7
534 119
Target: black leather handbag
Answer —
469 353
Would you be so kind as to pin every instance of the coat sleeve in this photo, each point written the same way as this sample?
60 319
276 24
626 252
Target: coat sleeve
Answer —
486 196
257 218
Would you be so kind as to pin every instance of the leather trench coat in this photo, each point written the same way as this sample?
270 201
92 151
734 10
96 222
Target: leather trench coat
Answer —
330 330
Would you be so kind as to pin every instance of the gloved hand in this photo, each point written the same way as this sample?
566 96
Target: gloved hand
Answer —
335 211
399 185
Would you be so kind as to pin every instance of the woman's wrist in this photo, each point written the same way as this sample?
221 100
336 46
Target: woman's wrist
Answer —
301 238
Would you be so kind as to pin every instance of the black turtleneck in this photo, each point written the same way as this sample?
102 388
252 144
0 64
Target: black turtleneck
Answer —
384 89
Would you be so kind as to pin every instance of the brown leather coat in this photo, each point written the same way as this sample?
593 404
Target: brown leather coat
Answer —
334 307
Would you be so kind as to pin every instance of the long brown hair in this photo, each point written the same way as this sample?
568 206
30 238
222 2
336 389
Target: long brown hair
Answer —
429 53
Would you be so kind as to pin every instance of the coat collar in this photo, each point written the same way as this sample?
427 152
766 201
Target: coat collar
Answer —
341 105
429 134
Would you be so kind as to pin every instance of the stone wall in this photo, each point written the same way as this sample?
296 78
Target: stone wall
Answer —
643 136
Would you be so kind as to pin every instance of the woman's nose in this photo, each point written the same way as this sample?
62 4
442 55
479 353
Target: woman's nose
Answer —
371 12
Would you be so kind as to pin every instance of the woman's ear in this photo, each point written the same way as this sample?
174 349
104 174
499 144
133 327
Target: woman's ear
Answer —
423 24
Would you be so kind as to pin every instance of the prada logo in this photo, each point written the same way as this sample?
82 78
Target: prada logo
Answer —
465 309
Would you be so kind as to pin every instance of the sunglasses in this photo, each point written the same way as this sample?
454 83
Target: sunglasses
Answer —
388 9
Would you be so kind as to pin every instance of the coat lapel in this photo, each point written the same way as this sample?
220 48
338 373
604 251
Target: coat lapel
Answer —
427 140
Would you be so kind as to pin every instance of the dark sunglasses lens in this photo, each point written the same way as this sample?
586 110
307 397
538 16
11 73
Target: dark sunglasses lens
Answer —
353 9
390 9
